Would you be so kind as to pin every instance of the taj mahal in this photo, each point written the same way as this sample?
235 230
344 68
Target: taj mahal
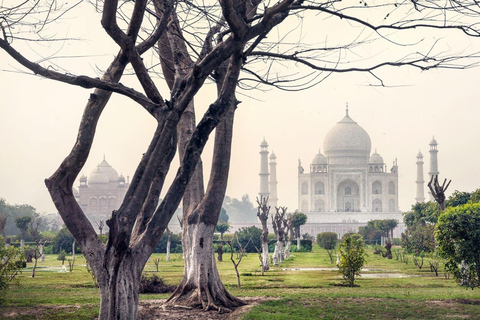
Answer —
347 185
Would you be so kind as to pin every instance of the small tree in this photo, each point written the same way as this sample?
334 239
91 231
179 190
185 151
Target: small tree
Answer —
328 241
11 259
298 220
262 214
279 227
458 236
62 255
240 254
352 258
289 234
221 228
3 223
22 224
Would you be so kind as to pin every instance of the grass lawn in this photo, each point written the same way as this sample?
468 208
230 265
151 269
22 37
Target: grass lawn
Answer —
388 289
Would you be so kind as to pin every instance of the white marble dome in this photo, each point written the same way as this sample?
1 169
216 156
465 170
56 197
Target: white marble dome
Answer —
97 176
347 142
107 169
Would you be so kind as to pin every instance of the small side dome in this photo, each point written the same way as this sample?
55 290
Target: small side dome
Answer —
319 159
273 156
264 143
375 159
433 142
98 177
419 155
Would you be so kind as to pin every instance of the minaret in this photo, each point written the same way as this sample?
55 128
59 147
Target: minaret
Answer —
273 180
264 169
433 161
420 182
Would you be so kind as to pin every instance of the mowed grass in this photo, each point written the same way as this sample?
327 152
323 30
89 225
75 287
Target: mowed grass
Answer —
290 291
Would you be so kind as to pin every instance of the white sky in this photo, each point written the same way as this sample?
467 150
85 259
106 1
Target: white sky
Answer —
39 120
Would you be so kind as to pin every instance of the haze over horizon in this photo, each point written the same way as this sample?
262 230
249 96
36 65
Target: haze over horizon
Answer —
39 120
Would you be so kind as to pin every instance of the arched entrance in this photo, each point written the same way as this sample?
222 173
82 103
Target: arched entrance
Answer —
348 196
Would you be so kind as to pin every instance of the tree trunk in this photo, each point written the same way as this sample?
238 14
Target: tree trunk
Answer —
201 285
42 256
299 243
266 259
169 243
220 252
287 249
119 286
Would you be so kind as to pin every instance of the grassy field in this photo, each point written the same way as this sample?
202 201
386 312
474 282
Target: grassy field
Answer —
388 289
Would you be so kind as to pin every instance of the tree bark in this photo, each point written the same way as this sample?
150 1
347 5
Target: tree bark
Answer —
201 285
119 288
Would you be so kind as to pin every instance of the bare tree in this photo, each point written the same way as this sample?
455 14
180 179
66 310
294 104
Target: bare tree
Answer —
289 234
262 213
279 226
34 227
195 42
240 254
100 225
438 191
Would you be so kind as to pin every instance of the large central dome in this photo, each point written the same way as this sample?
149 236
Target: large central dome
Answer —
347 143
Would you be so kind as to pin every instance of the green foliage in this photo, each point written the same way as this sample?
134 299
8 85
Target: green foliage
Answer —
22 223
352 258
175 244
458 198
63 240
327 240
419 238
458 236
62 255
385 226
9 266
15 211
244 234
223 217
305 245
421 213
370 234
299 219
222 227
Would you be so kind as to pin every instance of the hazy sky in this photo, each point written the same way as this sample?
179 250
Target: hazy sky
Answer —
39 121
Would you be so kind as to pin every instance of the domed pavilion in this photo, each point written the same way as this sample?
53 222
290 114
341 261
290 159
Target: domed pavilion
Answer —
101 192
348 185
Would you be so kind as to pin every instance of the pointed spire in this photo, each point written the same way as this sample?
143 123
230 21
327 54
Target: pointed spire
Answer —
346 109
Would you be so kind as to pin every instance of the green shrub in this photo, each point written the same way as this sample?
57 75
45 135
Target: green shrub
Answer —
352 258
11 263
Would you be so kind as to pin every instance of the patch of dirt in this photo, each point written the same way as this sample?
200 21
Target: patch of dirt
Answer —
153 309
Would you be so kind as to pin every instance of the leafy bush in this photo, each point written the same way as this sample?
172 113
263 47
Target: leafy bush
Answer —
352 258
245 234
11 263
328 241
154 284
458 236
175 244
305 245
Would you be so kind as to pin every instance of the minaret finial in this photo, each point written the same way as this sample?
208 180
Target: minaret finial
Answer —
347 109
104 156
